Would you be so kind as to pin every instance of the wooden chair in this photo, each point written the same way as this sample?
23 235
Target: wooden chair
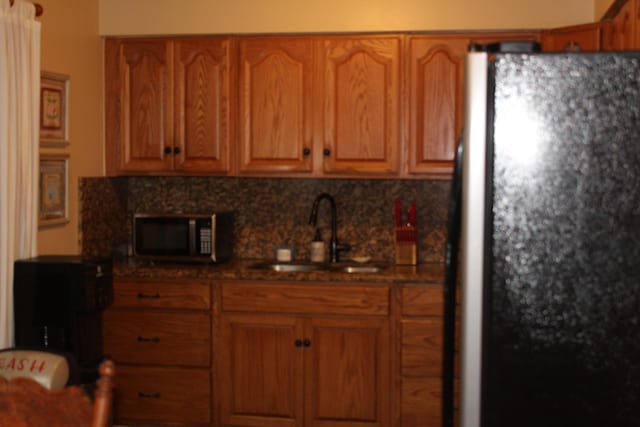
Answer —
26 403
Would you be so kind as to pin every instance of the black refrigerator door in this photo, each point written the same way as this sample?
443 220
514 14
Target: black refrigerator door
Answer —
561 329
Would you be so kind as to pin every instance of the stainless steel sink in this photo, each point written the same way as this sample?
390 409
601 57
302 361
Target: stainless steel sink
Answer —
288 267
368 268
299 267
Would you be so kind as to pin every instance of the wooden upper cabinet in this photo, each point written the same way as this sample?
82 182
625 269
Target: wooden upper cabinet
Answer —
572 39
139 116
165 117
276 111
360 105
202 104
619 33
435 90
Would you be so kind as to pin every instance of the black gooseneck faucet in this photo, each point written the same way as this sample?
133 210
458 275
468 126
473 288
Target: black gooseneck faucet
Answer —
334 247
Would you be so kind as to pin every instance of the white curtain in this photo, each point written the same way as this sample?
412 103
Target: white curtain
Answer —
19 111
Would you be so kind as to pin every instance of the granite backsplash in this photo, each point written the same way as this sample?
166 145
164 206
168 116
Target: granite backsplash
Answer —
269 211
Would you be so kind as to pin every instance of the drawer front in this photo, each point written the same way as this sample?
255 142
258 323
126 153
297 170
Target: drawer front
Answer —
422 300
422 347
194 295
157 337
162 394
305 299
421 404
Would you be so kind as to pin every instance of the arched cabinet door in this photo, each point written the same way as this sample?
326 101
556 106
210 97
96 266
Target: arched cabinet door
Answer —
435 90
361 104
139 118
169 105
202 107
575 38
275 124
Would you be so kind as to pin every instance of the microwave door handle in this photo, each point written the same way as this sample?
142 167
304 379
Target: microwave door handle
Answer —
192 237
213 238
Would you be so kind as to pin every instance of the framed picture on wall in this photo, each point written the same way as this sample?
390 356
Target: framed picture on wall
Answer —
53 180
54 109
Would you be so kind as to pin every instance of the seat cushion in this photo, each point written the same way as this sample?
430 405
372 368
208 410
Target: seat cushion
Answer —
49 369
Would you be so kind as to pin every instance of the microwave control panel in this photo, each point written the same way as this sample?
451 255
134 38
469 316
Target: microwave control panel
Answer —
205 236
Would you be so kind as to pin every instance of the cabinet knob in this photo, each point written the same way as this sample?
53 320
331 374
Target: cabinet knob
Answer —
306 151
298 343
326 152
306 343
167 150
154 340
176 150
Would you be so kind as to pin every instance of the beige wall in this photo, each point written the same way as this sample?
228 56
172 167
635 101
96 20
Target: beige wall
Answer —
600 7
122 17
70 45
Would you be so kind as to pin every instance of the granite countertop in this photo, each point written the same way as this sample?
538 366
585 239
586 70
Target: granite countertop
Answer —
240 269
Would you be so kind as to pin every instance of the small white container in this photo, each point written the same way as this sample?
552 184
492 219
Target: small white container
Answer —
285 253
317 251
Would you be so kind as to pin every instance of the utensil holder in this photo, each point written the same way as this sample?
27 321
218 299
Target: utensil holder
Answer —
406 247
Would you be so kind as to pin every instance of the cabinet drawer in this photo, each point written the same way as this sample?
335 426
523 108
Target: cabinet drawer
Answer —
305 299
162 394
421 404
422 347
161 338
422 300
153 294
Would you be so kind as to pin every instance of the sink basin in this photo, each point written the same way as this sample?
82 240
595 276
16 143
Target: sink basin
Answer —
299 267
369 268
288 267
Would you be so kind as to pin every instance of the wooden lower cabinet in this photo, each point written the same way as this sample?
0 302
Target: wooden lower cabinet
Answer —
261 375
420 373
159 335
289 369
163 394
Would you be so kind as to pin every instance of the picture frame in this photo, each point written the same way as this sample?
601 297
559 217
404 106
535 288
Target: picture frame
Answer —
53 183
54 109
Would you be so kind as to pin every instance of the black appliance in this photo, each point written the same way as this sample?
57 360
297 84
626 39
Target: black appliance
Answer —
58 304
546 218
184 237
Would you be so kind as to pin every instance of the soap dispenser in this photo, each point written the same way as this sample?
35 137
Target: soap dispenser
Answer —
317 247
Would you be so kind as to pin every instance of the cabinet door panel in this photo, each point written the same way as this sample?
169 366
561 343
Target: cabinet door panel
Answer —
571 39
347 364
620 32
162 338
261 371
189 294
276 114
421 402
202 70
146 99
421 300
361 104
162 394
436 68
422 347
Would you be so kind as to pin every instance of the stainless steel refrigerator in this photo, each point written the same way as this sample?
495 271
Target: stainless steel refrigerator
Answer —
544 242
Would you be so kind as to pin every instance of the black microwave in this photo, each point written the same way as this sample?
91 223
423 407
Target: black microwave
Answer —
182 237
